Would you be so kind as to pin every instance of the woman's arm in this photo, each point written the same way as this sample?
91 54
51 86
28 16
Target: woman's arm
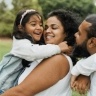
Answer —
46 74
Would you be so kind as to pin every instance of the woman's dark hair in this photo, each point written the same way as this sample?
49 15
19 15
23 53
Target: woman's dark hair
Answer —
23 35
70 22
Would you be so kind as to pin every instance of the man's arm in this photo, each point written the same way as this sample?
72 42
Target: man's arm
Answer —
85 66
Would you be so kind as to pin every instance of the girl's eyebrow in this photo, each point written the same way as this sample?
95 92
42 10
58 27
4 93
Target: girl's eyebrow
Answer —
32 22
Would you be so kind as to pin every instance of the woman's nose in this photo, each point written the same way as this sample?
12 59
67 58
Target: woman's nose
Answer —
48 30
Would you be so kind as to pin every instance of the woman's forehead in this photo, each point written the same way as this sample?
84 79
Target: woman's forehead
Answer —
53 20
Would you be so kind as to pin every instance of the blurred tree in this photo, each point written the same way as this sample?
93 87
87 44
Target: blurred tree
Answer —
7 16
6 24
82 7
5 20
2 7
23 4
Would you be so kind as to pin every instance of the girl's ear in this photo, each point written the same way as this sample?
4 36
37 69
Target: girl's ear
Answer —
20 27
92 42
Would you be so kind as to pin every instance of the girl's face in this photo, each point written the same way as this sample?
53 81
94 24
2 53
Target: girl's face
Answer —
34 27
54 31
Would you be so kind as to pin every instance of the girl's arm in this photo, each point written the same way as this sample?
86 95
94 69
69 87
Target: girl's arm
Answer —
82 84
30 52
46 74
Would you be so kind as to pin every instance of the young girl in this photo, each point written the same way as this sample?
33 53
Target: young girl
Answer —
27 37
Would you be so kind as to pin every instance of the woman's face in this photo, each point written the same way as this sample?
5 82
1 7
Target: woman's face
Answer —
34 27
54 31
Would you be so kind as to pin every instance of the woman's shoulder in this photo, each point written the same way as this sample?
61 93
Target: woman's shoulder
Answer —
57 64
57 59
61 57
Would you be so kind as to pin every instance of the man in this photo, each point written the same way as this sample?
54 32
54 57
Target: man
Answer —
86 40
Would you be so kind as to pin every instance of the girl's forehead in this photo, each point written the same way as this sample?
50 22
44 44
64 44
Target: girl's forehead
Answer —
36 17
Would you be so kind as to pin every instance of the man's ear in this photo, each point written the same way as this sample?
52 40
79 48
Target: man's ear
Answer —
92 42
20 27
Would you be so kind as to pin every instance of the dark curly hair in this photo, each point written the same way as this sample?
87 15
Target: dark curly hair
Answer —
91 31
70 22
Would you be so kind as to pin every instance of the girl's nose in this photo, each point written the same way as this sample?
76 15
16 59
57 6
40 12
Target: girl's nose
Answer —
38 26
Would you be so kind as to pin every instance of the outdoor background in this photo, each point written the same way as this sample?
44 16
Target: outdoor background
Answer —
9 9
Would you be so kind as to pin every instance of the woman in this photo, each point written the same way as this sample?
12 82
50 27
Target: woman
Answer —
27 38
52 76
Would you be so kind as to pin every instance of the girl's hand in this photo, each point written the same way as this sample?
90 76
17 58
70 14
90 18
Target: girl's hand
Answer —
82 84
73 81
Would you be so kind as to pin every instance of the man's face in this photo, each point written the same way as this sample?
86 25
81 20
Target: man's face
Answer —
82 39
81 35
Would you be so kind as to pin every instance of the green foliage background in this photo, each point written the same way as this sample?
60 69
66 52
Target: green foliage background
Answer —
7 16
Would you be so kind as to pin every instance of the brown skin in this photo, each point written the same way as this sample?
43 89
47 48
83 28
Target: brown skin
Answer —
50 70
47 73
82 84
81 36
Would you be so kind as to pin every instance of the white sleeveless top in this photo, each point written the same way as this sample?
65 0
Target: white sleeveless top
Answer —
61 88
